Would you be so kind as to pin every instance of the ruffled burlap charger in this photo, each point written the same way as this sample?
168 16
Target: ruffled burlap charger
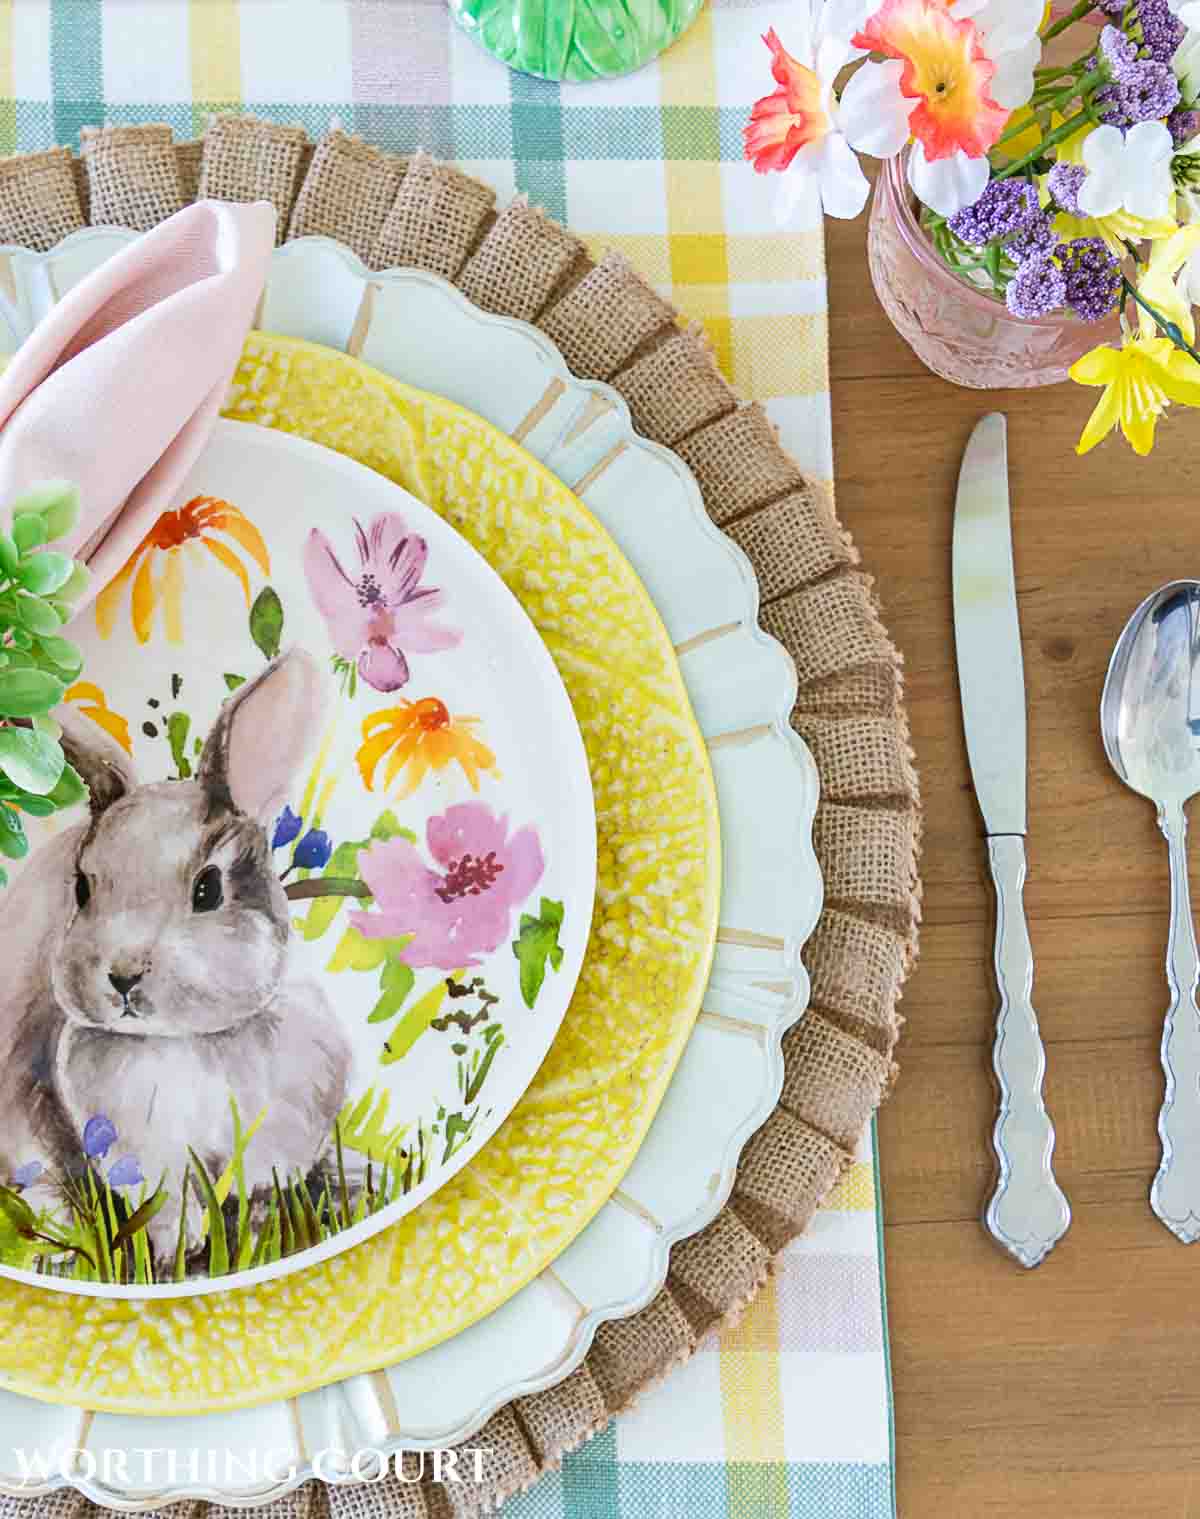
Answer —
610 326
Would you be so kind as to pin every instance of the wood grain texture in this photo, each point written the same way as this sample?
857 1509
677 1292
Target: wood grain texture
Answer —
1075 1388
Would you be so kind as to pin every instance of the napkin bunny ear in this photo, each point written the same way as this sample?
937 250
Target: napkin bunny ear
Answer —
118 386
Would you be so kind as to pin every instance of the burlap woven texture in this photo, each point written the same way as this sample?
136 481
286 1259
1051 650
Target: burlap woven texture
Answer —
610 326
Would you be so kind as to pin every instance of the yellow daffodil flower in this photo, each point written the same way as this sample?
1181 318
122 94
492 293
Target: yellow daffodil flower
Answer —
1160 285
1140 379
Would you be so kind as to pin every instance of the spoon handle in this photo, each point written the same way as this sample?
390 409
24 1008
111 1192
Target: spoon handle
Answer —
1175 1195
1028 1213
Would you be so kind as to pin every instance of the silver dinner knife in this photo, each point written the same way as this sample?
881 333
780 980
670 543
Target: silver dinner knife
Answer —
1028 1213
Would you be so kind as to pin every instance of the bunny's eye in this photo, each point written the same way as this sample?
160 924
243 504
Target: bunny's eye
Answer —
207 893
83 890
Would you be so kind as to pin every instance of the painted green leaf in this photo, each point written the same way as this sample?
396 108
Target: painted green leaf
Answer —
537 944
35 806
178 727
17 1210
414 1023
266 621
43 574
232 682
10 556
388 826
81 578
28 693
394 985
33 760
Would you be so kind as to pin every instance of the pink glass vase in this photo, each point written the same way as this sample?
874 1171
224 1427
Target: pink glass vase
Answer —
962 333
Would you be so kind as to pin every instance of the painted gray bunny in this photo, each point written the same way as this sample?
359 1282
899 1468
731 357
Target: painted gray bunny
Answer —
148 969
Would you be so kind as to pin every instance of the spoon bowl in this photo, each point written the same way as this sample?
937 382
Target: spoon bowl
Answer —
1150 723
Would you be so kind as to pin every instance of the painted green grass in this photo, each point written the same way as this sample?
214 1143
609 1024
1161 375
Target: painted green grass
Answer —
104 1235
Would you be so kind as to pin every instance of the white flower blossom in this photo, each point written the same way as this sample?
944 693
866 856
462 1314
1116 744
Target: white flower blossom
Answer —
1130 171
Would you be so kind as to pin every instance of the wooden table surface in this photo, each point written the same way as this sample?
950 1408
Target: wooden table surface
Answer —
1073 1389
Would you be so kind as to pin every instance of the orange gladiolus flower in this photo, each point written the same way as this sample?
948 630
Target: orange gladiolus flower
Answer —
198 522
421 736
93 703
945 69
788 120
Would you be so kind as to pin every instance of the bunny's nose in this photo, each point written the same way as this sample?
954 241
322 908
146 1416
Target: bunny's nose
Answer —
123 984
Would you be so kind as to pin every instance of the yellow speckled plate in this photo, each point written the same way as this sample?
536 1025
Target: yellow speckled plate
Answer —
565 1147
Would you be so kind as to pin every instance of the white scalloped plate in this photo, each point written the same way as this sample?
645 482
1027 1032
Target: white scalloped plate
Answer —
421 330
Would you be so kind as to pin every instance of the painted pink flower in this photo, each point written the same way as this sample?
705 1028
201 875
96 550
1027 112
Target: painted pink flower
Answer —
377 613
463 908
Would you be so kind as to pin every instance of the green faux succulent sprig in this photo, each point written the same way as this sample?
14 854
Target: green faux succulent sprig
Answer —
38 590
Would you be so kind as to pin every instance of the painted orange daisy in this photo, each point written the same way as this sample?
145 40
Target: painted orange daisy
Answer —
205 522
93 703
421 736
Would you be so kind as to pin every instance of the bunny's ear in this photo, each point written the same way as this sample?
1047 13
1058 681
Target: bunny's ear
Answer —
102 764
263 735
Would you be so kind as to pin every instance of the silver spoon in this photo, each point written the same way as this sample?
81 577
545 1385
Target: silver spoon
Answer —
1150 720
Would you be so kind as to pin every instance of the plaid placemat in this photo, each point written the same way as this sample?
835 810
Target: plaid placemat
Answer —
789 1412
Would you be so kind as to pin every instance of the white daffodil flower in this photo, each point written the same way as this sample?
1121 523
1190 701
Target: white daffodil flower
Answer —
1008 30
1188 11
1130 171
1186 64
807 132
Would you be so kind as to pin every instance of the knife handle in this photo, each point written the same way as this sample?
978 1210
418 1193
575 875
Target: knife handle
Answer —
1028 1213
1175 1195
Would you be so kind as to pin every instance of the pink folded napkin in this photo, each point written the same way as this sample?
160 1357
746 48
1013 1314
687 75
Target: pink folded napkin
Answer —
119 386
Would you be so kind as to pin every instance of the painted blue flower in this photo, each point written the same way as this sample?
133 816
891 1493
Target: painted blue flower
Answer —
313 850
287 828
125 1172
25 1176
99 1136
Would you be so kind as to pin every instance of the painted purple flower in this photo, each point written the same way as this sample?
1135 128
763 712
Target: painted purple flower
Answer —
125 1172
26 1175
313 850
463 908
381 610
99 1136
287 829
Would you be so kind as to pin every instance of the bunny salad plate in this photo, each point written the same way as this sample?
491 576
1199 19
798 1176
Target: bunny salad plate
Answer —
317 928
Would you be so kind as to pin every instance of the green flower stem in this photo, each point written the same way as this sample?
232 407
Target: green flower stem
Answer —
1167 328
1084 8
1051 140
325 886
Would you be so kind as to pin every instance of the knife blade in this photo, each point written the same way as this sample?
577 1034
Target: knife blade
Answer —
1027 1213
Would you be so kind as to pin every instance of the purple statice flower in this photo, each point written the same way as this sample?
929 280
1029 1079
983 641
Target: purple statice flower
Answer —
125 1172
313 850
26 1175
99 1136
1038 288
1183 126
1119 53
1035 239
1064 183
1148 93
1005 207
287 829
1093 277
1162 32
